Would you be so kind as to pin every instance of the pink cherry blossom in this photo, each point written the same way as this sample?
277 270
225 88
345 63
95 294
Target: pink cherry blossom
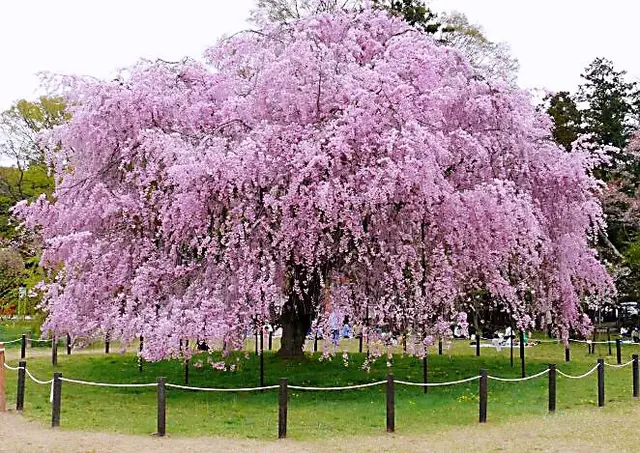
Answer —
342 160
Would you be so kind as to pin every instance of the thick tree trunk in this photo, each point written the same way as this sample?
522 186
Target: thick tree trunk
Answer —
294 332
297 314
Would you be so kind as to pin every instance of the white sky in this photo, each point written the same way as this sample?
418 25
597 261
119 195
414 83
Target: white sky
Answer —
553 39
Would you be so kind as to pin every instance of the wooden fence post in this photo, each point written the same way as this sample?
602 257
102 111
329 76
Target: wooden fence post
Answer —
162 406
478 338
270 339
186 364
282 409
68 344
567 353
618 350
600 382
552 388
522 365
425 370
3 396
23 347
483 395
391 411
54 351
22 366
315 343
57 398
140 354
262 358
635 375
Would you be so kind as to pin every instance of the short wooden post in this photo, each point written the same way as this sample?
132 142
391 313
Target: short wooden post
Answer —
360 341
262 359
483 395
609 339
600 382
391 411
440 347
424 372
54 351
282 409
270 340
635 376
106 344
552 388
478 337
567 353
22 366
3 395
618 351
23 346
68 344
162 406
522 365
55 404
140 354
186 364
315 343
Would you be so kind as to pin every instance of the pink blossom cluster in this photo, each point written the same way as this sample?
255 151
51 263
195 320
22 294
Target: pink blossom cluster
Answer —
348 145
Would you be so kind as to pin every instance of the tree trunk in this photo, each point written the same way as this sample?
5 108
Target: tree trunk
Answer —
297 314
294 333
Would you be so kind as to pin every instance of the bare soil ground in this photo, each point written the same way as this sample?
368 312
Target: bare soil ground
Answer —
592 430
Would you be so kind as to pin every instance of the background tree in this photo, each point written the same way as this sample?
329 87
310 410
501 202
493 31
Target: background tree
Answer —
609 103
567 118
493 60
26 179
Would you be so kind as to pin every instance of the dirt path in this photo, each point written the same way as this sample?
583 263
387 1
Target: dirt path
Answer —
593 430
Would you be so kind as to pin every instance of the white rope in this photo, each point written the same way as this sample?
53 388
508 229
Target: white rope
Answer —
42 341
438 384
12 341
592 342
210 389
12 368
495 378
102 384
619 366
36 380
349 387
581 376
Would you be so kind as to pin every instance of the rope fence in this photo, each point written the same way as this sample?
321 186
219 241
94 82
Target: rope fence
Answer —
161 386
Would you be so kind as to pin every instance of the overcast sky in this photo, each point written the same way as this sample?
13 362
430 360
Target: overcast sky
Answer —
553 39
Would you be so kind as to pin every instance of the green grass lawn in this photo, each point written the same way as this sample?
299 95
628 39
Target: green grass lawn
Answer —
314 415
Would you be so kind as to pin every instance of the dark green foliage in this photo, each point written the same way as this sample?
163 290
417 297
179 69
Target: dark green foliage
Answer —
610 103
567 119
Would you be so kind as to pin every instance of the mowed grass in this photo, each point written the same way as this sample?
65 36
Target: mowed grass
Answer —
313 414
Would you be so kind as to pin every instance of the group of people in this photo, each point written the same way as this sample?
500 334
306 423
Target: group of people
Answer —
634 334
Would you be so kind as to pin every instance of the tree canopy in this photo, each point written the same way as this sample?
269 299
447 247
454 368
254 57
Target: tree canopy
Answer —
343 161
